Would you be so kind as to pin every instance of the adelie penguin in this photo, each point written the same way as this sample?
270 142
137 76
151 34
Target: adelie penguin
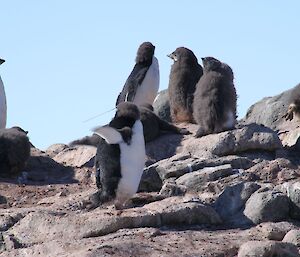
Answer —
3 106
214 107
184 75
294 104
142 85
121 158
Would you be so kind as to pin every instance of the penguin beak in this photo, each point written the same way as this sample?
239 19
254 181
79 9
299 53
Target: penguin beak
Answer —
173 57
1 61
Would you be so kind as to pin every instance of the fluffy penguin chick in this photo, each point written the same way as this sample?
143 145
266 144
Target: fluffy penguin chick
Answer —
3 107
142 85
14 151
294 104
215 98
121 159
184 75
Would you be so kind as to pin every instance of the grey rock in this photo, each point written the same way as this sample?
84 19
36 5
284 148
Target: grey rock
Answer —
247 138
77 156
268 249
170 188
293 236
55 149
274 230
232 200
195 180
150 181
267 206
292 189
2 199
161 105
38 227
8 220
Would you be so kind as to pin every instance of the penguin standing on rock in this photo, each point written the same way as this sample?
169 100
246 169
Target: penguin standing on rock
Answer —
184 75
294 104
142 85
121 158
3 106
215 98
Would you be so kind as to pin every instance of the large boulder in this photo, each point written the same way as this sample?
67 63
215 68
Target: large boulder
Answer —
161 105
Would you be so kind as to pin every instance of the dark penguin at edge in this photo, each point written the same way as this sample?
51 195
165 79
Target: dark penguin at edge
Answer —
215 99
184 75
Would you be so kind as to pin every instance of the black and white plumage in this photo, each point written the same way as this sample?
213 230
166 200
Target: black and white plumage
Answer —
184 75
142 85
294 104
14 151
215 98
121 156
3 105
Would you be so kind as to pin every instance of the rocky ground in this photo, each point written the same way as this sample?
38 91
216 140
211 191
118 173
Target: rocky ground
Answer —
235 193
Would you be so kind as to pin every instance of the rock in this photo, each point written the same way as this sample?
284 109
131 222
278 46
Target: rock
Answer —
268 249
194 180
232 200
161 105
293 237
38 227
248 138
77 156
274 230
7 221
292 189
150 181
2 199
170 188
261 207
55 149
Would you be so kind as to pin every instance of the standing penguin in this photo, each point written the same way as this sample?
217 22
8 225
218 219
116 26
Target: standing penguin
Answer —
142 85
215 98
121 158
294 104
184 75
3 106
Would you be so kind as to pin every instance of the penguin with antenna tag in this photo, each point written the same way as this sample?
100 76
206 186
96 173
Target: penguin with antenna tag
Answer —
121 156
142 85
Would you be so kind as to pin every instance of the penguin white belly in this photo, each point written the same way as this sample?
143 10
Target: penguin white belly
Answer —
3 108
147 91
132 162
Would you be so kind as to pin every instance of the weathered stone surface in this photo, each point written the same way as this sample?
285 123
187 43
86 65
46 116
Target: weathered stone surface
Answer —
261 205
2 199
233 199
170 188
194 181
293 237
268 249
274 230
247 138
292 189
161 105
55 149
150 181
41 226
77 156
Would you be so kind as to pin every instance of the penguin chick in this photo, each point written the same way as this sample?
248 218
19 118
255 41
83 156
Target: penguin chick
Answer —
184 75
215 98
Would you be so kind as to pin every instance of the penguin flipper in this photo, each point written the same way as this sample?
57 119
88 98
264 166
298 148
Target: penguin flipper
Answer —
109 134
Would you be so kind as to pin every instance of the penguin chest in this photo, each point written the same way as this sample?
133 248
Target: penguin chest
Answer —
147 91
132 161
3 107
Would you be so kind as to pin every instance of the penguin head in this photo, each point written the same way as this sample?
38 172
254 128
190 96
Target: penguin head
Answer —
19 129
213 64
126 115
1 61
145 53
183 54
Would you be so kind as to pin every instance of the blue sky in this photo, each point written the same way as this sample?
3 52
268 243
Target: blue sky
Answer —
66 61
